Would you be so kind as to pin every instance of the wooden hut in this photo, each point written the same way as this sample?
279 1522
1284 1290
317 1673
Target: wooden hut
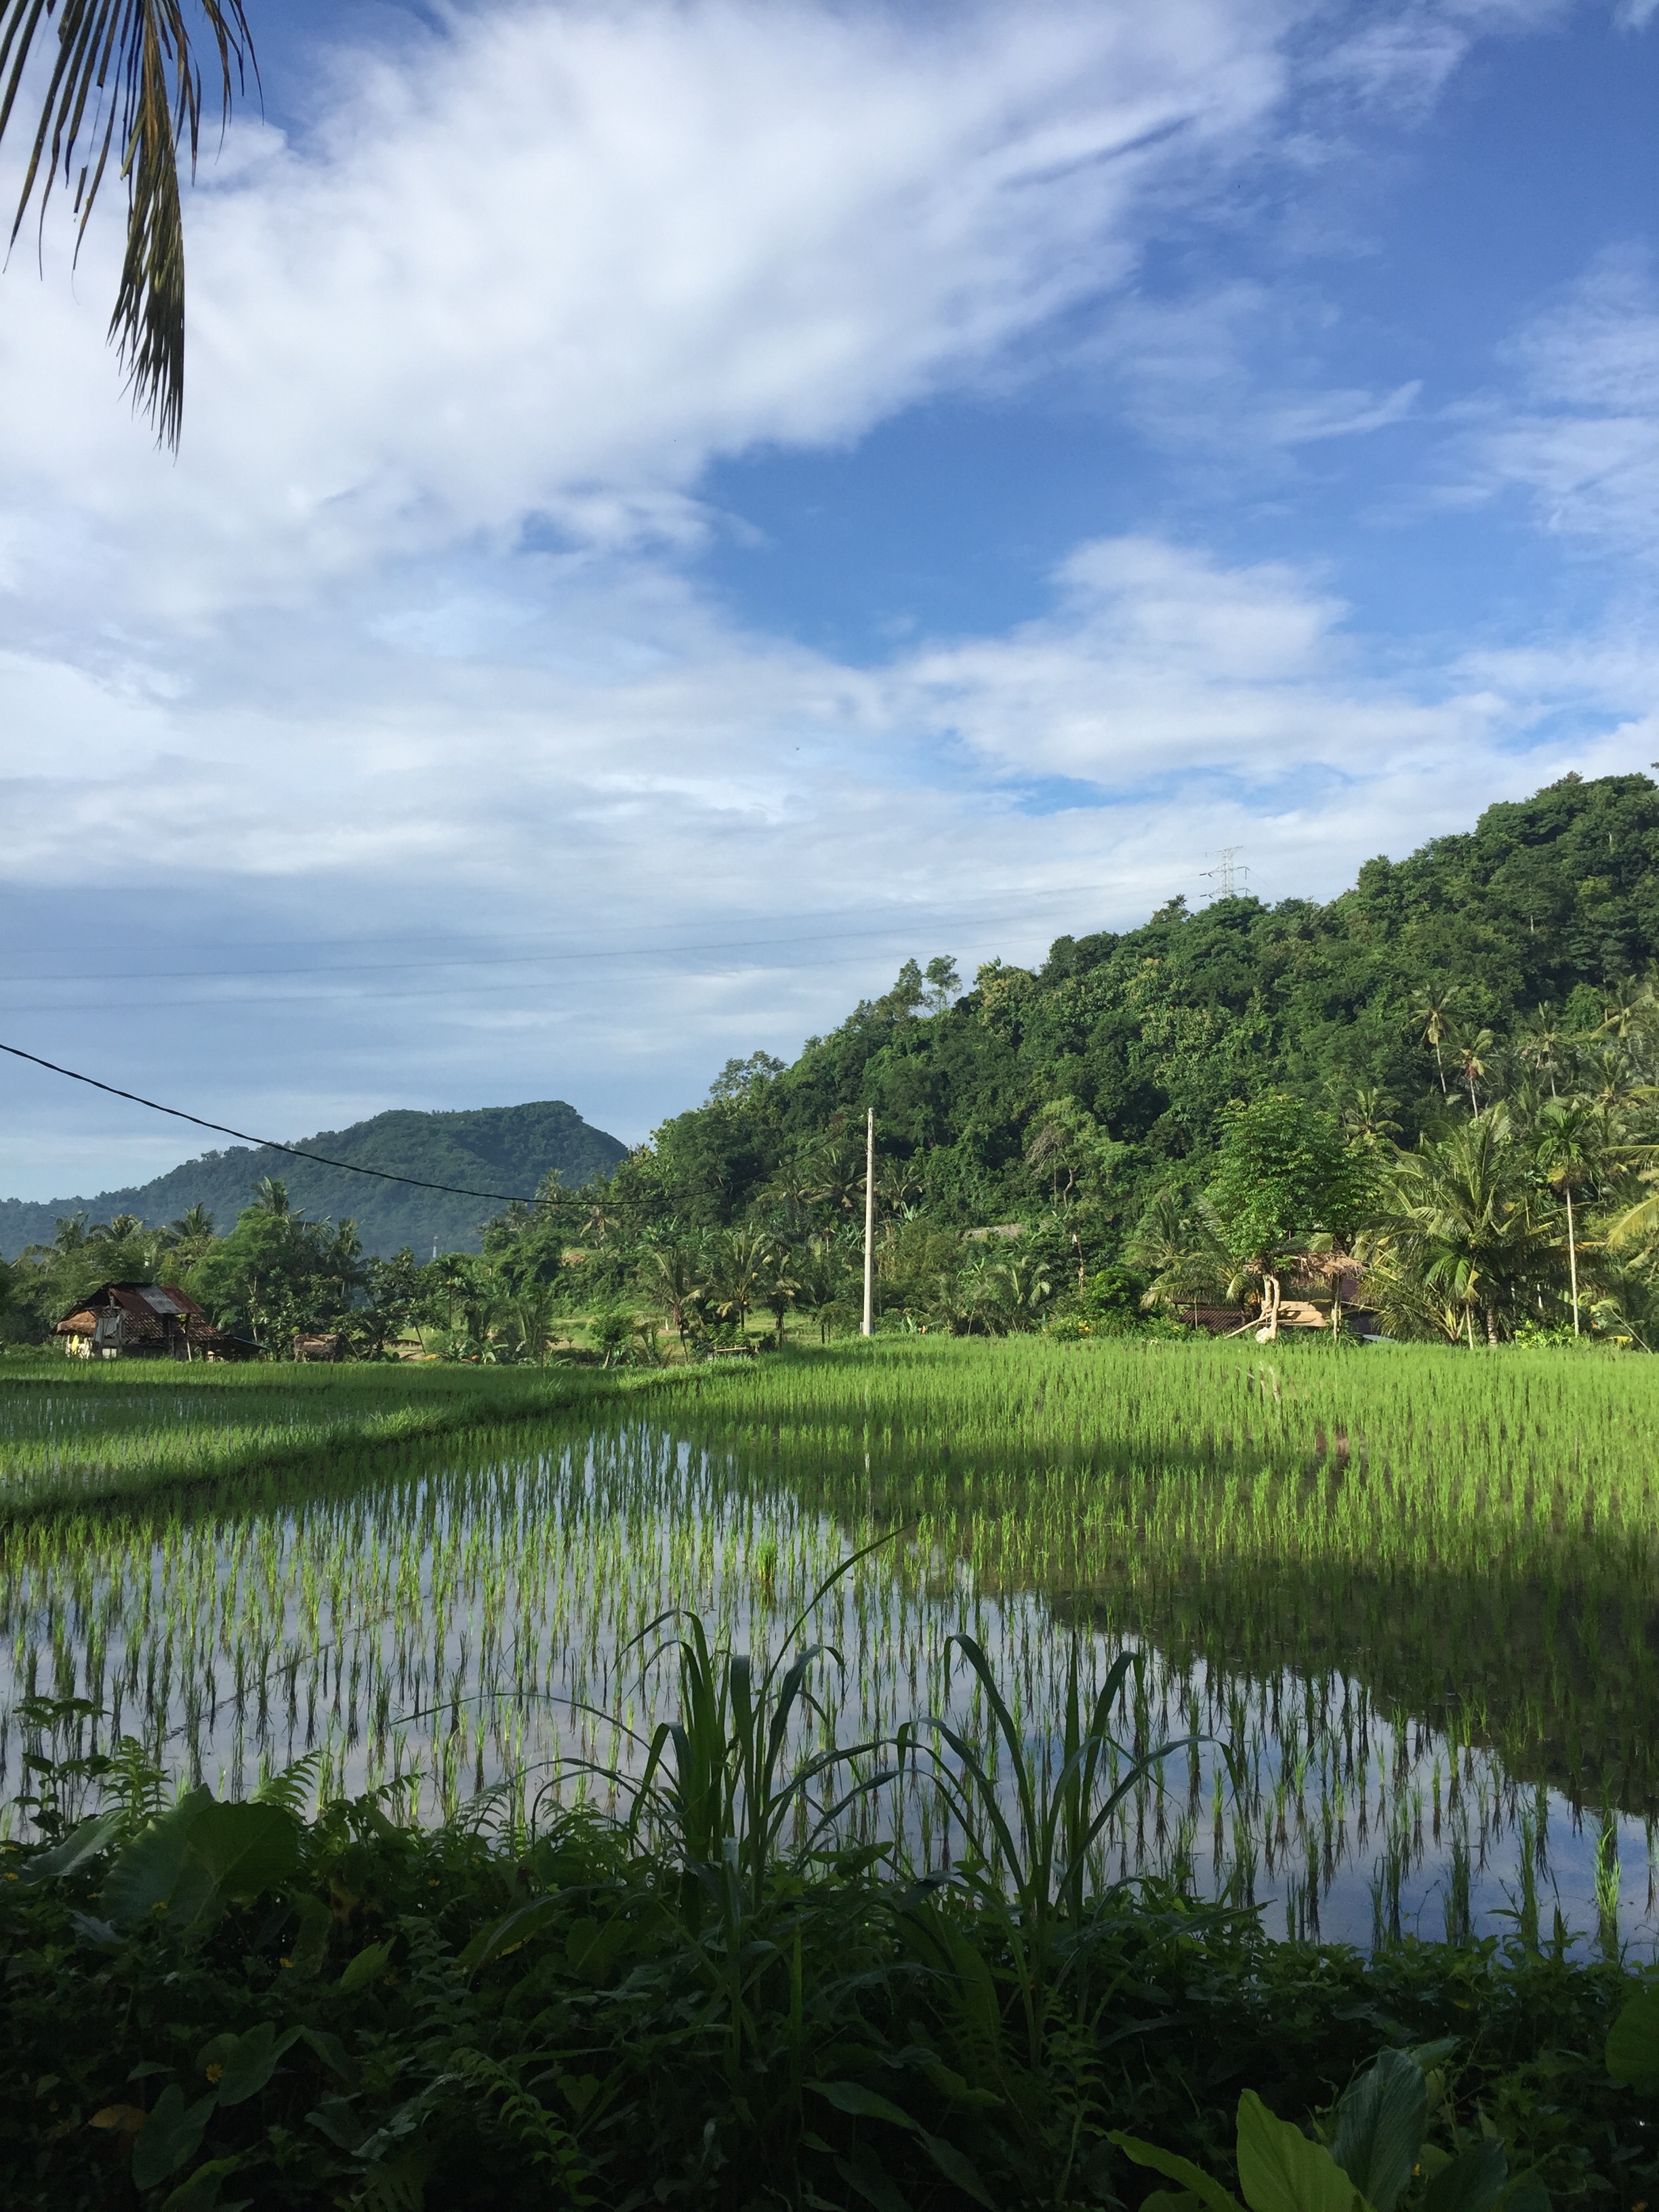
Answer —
156 1321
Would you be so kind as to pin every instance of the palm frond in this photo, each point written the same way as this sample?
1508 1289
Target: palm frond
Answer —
126 79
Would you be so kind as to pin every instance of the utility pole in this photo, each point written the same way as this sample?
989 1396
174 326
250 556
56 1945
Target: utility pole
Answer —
870 1226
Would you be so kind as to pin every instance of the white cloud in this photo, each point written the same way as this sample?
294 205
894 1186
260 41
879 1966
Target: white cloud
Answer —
1162 662
555 265
1582 435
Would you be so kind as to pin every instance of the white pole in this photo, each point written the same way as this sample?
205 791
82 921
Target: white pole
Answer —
870 1227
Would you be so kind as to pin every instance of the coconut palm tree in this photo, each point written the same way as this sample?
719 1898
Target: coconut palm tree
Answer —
1431 1012
674 1273
126 79
1366 1120
1463 1225
1542 1044
190 1237
779 1281
737 1262
1471 1062
1175 1245
1568 1146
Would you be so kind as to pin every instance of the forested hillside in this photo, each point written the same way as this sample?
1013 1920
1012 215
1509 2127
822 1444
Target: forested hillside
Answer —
497 1148
1524 928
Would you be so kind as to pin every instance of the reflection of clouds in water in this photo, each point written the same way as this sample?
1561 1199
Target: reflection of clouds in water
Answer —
475 1623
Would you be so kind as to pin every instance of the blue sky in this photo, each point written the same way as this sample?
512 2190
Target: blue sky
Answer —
684 506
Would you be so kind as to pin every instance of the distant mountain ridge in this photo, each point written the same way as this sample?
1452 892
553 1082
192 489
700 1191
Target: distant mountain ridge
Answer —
505 1148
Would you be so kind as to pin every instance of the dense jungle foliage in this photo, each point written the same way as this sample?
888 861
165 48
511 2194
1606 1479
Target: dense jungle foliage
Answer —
219 2004
1446 1077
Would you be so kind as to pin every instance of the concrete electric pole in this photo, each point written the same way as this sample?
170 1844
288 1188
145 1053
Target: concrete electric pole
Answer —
870 1227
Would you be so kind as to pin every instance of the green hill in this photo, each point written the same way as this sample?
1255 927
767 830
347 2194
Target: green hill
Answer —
494 1148
1538 919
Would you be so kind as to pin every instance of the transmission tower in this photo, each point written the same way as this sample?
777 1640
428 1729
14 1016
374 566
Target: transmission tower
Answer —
1229 876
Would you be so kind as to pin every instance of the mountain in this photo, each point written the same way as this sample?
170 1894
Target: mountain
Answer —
491 1148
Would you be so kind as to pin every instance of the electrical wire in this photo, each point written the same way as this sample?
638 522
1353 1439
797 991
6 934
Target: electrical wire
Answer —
269 1143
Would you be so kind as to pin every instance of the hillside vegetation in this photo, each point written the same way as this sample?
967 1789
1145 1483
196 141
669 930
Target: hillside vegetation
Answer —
1550 904
501 1148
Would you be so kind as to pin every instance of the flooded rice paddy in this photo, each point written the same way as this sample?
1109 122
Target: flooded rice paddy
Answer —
1393 1715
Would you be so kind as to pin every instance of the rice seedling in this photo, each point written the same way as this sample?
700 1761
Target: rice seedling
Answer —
72 1433
1397 1610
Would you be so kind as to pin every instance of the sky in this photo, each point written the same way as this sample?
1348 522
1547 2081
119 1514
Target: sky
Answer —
684 507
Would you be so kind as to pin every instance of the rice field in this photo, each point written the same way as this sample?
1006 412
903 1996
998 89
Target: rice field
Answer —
74 1433
1398 1609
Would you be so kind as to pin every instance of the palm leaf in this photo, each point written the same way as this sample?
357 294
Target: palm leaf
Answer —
126 79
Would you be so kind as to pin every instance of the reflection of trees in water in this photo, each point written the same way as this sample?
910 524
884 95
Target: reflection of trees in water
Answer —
1537 1638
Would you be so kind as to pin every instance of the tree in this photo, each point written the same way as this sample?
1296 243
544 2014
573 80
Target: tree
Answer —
739 1077
1471 1062
1432 1011
737 1264
127 73
779 1281
1176 1247
673 1274
190 1238
1463 1223
1285 1172
1567 1146
277 1271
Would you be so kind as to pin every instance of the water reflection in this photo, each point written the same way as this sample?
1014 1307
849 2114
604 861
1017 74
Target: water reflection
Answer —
1381 1751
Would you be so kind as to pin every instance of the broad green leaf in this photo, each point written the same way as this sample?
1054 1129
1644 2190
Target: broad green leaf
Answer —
580 2092
1632 2054
195 1860
1527 2193
1379 2128
865 2172
82 1843
310 1945
199 2191
1194 2179
337 2118
864 2104
1473 2180
592 1949
956 2166
330 2049
1279 2170
507 1935
362 1969
247 2062
168 2137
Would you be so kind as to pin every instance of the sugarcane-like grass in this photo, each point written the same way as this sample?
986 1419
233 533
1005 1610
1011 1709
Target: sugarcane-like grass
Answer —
1397 1608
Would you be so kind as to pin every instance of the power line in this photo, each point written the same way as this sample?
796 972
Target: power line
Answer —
269 1143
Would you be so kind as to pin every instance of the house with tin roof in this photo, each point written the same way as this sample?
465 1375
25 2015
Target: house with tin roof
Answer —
157 1321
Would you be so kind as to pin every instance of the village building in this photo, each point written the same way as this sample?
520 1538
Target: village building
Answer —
145 1319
